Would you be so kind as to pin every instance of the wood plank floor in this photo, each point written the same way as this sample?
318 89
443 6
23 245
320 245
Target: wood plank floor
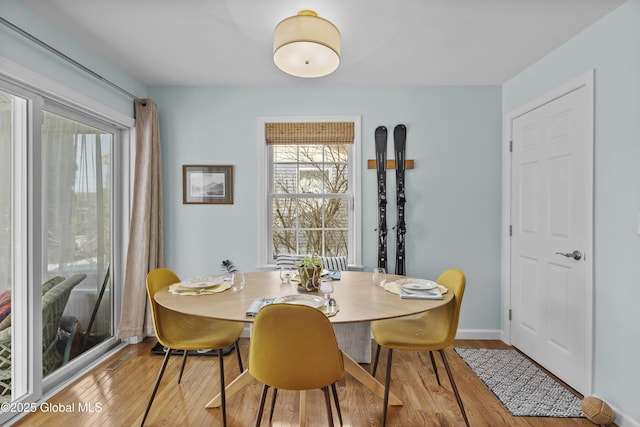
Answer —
122 384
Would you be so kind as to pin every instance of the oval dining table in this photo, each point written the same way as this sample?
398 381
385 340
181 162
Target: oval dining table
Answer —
358 300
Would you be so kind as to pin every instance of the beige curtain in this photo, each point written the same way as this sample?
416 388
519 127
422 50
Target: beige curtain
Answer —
146 238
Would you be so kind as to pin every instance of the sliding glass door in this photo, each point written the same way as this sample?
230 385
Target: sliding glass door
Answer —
62 213
76 238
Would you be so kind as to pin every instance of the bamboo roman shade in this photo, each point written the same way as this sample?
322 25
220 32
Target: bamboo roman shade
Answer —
309 133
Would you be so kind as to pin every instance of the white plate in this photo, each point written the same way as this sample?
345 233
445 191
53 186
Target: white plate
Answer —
310 300
203 282
417 284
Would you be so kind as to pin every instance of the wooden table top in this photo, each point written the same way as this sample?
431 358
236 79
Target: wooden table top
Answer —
358 298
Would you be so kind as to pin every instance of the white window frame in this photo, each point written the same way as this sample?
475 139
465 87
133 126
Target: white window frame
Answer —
355 166
22 297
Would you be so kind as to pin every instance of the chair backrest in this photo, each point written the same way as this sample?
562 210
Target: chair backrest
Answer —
288 261
446 317
49 284
53 305
293 347
163 319
335 263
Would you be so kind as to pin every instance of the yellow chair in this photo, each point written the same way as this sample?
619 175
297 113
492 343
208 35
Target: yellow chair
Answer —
433 330
293 347
178 331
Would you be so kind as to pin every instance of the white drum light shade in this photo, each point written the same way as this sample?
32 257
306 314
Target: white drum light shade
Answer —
306 45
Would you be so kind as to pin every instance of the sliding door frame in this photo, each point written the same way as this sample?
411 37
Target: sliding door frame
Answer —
28 216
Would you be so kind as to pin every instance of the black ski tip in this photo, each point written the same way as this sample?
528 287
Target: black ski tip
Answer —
381 130
400 129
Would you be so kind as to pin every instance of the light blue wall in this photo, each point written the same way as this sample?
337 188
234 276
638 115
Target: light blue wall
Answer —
453 194
454 135
612 48
26 53
453 209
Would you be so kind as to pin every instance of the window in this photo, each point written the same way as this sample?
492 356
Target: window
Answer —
311 188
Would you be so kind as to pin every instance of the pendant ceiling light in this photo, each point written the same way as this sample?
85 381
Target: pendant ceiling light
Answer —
306 45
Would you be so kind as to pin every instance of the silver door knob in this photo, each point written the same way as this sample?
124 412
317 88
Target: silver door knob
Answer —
577 255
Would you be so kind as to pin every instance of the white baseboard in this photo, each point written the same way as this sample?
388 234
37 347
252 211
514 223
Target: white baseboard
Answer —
479 334
134 340
622 420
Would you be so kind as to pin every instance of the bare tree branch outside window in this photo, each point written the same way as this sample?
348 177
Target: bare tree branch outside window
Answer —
311 199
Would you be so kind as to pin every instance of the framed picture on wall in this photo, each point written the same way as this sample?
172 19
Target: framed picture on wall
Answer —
207 184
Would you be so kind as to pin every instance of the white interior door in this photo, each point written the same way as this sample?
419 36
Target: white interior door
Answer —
551 215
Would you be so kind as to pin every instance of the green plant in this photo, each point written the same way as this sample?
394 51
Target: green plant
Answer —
228 266
310 269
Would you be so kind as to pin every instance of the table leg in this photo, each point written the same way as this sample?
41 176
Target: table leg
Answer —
234 386
302 417
365 378
243 380
350 366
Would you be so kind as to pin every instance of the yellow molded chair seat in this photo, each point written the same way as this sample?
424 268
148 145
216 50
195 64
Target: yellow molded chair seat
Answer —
354 339
178 331
434 330
293 347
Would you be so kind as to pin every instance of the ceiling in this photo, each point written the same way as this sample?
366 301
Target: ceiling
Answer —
412 42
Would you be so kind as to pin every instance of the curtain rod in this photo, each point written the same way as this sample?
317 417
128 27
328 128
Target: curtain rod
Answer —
68 59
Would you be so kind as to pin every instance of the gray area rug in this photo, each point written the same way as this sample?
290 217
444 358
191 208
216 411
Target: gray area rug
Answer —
522 387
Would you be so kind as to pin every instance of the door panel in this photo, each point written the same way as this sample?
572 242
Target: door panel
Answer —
551 213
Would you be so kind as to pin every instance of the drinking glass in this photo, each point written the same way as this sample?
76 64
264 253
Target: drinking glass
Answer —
326 289
237 281
379 276
285 275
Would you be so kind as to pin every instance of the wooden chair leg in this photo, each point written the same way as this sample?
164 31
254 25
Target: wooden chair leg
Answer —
155 387
337 402
387 383
435 369
273 403
327 402
263 398
239 358
375 362
223 400
184 362
454 387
